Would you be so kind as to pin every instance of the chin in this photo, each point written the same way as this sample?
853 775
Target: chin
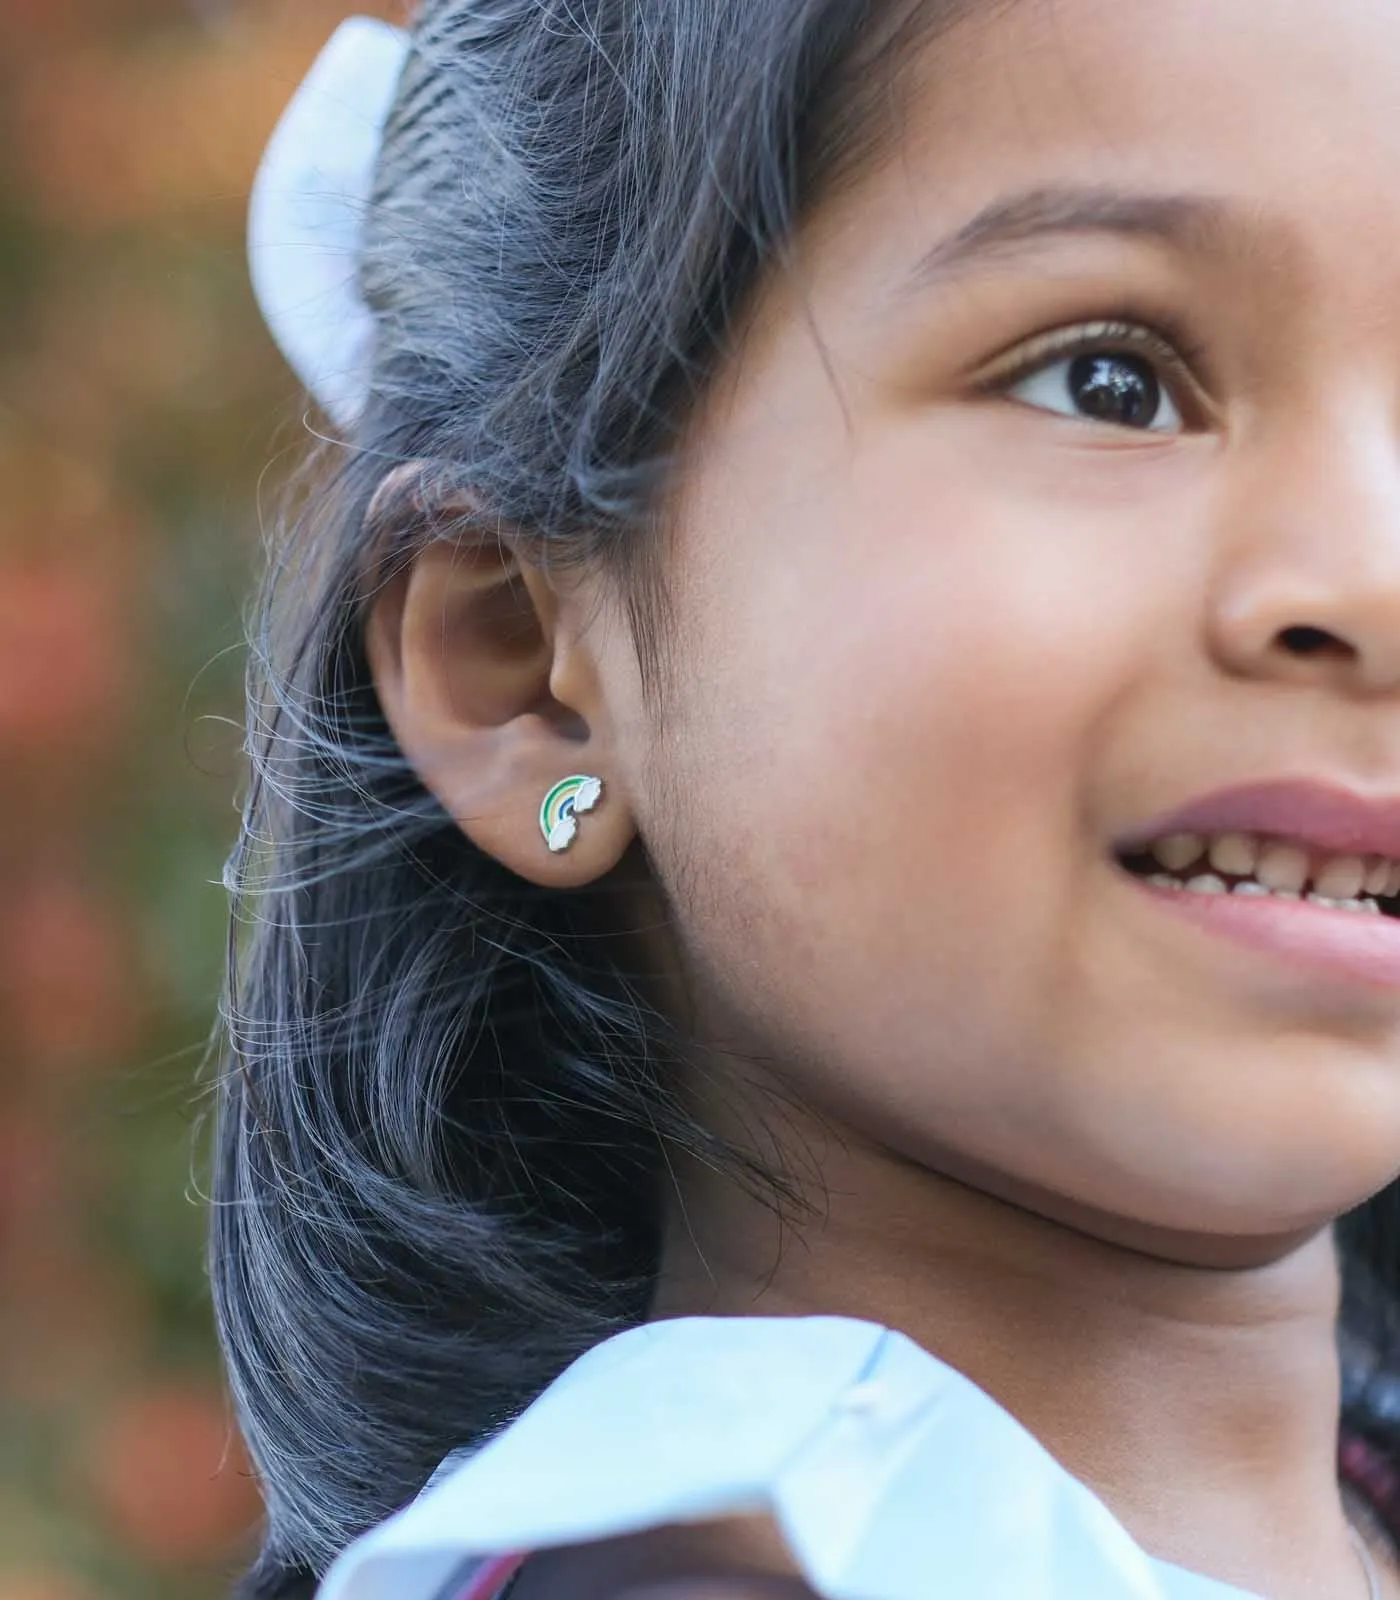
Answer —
1225 1196
1246 1204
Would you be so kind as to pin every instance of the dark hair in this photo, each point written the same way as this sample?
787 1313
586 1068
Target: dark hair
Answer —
446 1104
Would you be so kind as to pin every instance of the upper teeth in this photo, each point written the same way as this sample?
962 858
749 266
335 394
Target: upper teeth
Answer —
1281 867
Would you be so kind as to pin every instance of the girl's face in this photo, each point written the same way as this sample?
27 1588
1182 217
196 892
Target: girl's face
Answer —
1058 490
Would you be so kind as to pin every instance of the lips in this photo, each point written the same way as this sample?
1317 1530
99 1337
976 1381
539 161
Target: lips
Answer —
1318 816
1304 933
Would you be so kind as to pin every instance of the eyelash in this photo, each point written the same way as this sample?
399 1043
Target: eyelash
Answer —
1177 360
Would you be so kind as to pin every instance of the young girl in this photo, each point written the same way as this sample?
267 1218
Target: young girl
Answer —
826 812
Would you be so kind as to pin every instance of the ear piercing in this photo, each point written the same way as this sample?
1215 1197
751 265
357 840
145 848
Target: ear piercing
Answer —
565 803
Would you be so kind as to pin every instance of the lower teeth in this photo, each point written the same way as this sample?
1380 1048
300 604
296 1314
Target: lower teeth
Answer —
1251 888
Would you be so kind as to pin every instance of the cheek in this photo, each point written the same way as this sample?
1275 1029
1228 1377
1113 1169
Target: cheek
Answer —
890 764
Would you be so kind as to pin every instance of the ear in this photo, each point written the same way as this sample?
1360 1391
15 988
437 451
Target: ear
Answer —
485 668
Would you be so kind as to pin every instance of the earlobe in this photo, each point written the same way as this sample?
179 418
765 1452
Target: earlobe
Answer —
498 706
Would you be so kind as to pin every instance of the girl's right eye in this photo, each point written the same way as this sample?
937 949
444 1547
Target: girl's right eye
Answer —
1114 387
1122 375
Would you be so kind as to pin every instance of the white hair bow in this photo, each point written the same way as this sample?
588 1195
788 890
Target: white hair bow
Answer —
307 213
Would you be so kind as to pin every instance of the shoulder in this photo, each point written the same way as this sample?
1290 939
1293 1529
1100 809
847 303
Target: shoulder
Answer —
736 1559
706 1589
723 1589
709 1588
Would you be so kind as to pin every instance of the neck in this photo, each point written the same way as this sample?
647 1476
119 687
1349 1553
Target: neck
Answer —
1199 1402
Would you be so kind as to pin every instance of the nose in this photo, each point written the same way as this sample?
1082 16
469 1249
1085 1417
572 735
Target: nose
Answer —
1307 588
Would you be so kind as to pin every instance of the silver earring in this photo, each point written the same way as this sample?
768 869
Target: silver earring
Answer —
564 805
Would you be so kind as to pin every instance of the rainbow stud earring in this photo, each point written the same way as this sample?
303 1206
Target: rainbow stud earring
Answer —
565 803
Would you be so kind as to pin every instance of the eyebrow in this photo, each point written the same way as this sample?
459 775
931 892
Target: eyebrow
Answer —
1200 224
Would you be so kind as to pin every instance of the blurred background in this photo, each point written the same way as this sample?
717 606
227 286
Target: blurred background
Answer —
144 422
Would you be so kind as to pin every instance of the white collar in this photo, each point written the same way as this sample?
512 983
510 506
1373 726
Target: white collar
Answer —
891 1476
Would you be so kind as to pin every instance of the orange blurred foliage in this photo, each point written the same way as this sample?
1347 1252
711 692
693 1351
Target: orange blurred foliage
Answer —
31 1179
67 973
169 1476
107 139
65 661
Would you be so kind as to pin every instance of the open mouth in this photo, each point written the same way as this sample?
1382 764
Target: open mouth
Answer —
1260 866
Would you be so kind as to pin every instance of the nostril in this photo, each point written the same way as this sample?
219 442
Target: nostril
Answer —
1307 641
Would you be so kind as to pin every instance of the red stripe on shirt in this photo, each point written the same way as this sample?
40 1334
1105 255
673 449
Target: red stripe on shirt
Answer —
489 1582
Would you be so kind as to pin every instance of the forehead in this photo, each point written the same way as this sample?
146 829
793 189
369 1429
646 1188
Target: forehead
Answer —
1287 109
1087 73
